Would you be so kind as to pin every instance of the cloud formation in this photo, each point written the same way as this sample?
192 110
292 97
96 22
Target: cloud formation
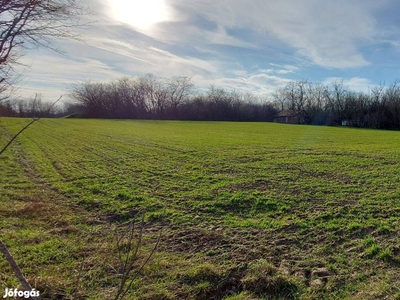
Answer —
255 46
354 83
329 33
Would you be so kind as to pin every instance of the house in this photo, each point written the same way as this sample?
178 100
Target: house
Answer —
288 117
346 123
352 123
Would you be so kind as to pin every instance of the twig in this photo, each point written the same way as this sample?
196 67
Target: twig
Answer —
127 264
15 267
3 248
26 127
15 136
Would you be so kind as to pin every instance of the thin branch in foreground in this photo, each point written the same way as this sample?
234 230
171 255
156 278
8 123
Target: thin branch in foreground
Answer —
127 264
25 284
26 127
3 248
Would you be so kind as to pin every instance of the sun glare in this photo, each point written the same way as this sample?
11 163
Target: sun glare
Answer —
141 14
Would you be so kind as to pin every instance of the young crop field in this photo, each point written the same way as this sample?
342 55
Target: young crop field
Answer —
241 210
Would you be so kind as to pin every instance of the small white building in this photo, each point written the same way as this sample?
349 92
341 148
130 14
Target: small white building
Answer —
346 123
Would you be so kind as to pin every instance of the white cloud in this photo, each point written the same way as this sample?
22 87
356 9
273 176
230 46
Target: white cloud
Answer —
258 83
280 69
51 74
231 44
329 33
357 84
117 48
180 33
221 37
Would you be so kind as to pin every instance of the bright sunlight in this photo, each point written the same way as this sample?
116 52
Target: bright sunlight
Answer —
138 13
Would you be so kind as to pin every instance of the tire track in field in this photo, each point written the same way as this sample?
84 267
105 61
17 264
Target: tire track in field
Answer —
56 147
104 161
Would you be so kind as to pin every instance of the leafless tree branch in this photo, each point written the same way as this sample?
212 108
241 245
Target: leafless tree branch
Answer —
31 23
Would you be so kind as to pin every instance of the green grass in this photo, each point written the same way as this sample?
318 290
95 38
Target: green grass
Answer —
248 210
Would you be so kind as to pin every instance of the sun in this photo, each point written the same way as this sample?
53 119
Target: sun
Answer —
141 14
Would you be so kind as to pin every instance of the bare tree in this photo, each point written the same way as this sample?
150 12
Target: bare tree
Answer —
179 89
32 23
280 98
338 95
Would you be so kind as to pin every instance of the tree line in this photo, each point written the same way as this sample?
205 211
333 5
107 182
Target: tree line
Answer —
335 105
148 97
31 108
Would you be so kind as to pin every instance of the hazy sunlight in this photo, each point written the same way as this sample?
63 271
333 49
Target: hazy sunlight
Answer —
140 14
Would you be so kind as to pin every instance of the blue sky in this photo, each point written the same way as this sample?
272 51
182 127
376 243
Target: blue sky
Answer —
248 45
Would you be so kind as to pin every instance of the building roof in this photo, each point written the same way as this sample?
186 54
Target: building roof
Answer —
285 113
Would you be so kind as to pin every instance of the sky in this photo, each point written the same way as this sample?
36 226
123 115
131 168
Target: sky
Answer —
246 45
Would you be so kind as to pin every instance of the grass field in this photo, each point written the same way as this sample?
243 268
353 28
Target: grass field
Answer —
247 210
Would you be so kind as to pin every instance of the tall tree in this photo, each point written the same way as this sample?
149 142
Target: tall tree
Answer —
30 23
